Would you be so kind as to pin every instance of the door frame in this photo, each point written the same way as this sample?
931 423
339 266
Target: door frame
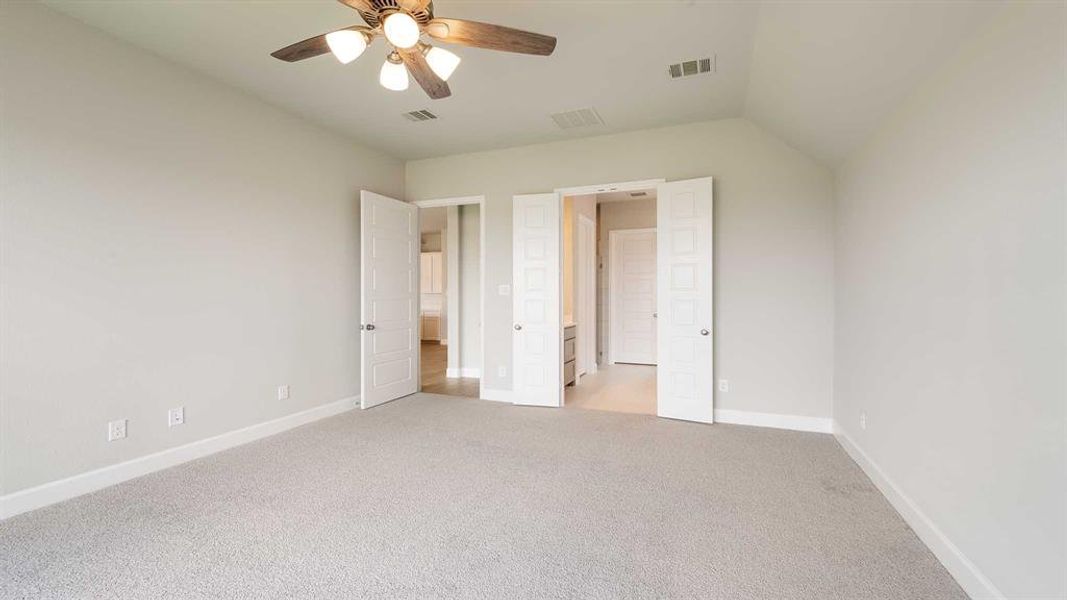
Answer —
609 306
454 306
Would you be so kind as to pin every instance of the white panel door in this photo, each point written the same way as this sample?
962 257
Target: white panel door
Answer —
685 380
537 334
389 294
632 290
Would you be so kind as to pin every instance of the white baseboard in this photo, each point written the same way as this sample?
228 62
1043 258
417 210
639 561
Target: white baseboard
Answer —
451 373
966 573
496 395
91 481
794 422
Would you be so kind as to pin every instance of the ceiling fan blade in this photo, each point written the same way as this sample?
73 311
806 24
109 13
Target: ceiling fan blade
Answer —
493 37
361 5
311 47
413 5
434 86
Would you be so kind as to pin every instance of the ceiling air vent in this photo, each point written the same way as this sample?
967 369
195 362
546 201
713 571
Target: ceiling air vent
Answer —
693 67
583 117
420 115
638 194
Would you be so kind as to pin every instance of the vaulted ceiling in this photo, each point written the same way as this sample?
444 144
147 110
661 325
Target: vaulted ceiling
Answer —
821 75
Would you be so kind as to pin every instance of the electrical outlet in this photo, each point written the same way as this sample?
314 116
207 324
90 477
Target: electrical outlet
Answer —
501 371
176 416
724 385
863 421
283 392
116 430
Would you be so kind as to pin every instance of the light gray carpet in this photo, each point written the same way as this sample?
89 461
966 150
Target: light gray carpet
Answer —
433 497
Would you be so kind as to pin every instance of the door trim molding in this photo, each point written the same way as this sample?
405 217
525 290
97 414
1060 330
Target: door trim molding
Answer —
609 306
603 188
455 201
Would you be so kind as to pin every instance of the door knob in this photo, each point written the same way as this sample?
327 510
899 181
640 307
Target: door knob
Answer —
370 327
655 315
518 327
704 332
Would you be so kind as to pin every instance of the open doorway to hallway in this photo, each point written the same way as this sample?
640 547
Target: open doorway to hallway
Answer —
450 300
609 301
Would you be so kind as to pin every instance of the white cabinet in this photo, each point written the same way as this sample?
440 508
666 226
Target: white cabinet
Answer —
433 274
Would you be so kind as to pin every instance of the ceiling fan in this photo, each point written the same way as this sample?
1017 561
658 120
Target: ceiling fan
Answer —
403 22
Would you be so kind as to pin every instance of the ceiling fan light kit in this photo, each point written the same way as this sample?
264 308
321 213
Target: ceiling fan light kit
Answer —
346 45
393 75
402 23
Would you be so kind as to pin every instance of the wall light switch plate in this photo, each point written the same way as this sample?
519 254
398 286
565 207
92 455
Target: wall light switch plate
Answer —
116 430
863 420
724 385
176 416
503 290
283 392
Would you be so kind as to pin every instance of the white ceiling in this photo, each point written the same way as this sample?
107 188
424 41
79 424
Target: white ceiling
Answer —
820 75
824 75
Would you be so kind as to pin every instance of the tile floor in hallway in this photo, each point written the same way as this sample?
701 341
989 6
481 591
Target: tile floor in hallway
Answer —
618 387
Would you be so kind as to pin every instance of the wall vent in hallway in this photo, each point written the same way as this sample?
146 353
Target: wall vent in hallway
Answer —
583 117
693 67
420 115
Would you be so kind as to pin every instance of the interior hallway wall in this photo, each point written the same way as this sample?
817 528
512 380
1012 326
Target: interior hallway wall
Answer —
773 244
629 214
470 307
165 241
951 296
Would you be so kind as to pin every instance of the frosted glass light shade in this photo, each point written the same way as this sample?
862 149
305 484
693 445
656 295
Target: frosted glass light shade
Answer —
346 45
394 76
401 30
442 62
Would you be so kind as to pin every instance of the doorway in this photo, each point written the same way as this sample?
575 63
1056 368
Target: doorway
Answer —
544 340
609 297
450 290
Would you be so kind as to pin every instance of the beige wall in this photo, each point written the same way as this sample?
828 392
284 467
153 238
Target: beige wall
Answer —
773 247
166 241
950 329
470 288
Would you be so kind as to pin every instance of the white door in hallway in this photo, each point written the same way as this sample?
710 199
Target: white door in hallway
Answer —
685 380
632 291
537 336
389 295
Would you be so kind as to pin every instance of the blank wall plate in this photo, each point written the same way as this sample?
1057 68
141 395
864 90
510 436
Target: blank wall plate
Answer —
116 430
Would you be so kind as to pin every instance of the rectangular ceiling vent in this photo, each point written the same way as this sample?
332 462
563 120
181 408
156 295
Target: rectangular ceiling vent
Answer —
420 115
583 117
638 194
693 67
